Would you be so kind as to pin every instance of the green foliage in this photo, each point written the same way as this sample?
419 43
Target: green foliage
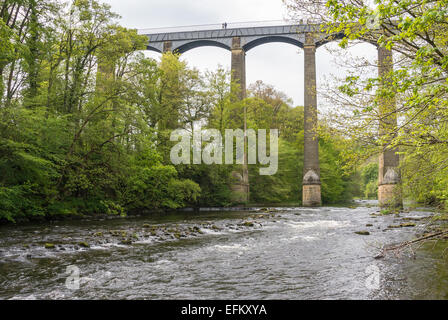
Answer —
156 187
20 201
214 181
77 135
369 176
338 175
371 190
269 108
87 118
285 185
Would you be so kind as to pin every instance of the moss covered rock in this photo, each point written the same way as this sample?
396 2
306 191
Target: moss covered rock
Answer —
49 246
407 224
84 244
248 224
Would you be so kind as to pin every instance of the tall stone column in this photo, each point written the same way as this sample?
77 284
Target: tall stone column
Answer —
238 69
389 191
105 74
311 196
167 46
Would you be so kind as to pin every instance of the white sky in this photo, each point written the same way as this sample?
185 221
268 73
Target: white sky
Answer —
278 64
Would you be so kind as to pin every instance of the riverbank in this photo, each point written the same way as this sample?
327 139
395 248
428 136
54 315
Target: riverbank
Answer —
48 218
438 218
42 219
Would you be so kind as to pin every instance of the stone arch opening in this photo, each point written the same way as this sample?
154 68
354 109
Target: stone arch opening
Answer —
150 48
201 43
270 39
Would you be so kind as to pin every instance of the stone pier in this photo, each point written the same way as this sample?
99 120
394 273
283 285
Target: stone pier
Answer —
238 68
389 190
311 196
167 46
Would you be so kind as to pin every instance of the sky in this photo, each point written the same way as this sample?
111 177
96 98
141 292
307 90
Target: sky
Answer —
277 64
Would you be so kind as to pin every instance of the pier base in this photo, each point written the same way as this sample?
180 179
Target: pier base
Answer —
389 195
311 195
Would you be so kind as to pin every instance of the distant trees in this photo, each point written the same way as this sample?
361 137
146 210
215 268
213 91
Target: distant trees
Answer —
269 108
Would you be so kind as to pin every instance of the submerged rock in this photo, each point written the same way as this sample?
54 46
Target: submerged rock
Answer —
413 218
197 230
403 225
408 224
363 233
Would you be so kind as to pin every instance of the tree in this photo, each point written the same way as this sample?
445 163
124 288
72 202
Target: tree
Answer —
416 32
78 132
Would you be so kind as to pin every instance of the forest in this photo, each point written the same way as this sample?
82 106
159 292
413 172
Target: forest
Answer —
86 117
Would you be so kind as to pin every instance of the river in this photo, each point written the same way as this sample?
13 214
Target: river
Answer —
282 253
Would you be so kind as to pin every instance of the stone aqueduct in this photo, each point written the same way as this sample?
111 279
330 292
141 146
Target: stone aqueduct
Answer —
239 40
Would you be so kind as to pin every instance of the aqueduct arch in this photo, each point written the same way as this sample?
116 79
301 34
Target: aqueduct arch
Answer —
239 40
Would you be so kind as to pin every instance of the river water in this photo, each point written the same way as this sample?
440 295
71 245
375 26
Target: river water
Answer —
287 253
